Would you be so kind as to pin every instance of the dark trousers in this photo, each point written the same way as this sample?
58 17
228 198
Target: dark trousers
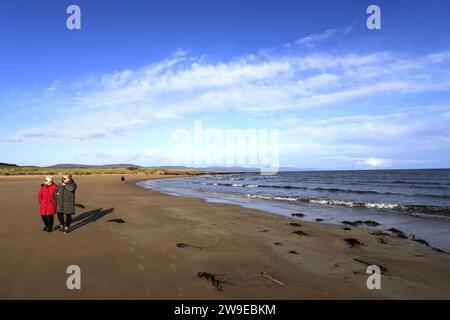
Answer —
48 221
67 221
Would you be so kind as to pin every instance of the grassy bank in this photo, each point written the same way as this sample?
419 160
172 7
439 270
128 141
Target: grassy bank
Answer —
9 170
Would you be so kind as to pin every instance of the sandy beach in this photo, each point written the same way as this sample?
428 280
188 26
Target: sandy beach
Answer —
140 259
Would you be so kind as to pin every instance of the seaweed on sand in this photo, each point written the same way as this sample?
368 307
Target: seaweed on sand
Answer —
215 281
352 242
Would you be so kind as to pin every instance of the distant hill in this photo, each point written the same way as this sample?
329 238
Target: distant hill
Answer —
104 166
234 169
128 165
7 164
212 168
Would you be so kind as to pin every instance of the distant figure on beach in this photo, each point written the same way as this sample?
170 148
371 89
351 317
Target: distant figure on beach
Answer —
66 202
123 179
47 201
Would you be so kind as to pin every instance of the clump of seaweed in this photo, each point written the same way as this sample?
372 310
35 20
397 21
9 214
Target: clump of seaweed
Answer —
295 224
300 233
352 242
215 281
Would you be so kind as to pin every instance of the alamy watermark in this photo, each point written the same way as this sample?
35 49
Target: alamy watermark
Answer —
73 21
374 280
73 282
374 20
227 147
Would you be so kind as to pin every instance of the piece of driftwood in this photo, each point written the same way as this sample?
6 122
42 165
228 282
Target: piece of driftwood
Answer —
186 245
267 276
368 262
119 220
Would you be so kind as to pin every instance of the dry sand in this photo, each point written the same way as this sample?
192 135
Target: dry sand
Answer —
139 259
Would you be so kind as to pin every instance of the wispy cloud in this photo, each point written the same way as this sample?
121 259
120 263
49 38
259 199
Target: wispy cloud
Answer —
61 131
313 39
184 85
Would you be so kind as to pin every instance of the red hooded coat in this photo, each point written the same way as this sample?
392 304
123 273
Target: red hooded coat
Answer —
47 200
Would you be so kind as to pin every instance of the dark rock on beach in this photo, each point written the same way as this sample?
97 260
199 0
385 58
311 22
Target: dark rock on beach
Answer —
299 215
422 242
357 223
353 223
371 223
398 233
378 233
439 250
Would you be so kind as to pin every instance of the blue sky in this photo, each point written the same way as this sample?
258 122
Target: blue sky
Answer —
342 96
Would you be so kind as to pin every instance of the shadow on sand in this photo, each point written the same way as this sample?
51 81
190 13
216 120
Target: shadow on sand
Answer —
88 217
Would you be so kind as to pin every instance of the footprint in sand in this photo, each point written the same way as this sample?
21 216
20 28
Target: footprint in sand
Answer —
141 267
131 249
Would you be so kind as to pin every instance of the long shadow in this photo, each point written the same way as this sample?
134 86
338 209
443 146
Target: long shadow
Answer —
88 217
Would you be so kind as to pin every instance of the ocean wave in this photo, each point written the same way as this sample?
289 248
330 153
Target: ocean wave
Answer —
322 189
426 183
437 210
287 187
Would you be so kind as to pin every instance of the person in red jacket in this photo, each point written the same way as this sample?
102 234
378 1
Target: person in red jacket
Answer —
47 201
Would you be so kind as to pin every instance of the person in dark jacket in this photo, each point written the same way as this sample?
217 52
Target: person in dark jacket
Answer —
47 202
65 196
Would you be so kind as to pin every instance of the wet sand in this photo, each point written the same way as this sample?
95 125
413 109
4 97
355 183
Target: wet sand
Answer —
139 259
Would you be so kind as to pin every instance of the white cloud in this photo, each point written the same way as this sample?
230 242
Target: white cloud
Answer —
374 162
311 40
